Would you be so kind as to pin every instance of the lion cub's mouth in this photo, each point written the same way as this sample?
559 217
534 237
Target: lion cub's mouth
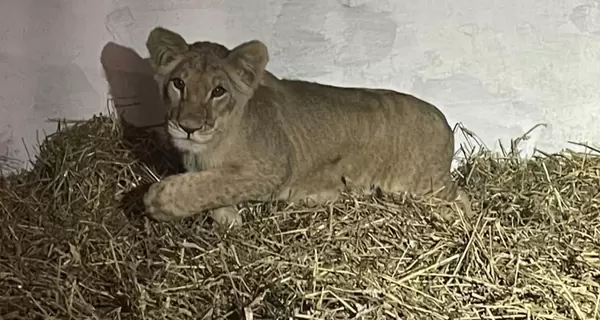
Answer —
205 128
205 131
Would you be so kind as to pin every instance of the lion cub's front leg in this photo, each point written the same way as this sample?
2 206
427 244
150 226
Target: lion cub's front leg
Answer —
188 194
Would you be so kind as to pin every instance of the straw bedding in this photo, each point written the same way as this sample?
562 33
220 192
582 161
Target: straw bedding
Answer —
74 244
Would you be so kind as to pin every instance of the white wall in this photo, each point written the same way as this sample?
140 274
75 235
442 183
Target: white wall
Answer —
497 66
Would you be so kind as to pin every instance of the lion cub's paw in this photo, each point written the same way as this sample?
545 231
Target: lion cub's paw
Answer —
164 200
227 216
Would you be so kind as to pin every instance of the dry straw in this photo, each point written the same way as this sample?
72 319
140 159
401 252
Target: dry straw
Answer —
74 245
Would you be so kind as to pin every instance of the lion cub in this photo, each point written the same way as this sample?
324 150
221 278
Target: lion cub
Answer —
246 135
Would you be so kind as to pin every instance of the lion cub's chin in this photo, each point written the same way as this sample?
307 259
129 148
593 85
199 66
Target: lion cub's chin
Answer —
194 144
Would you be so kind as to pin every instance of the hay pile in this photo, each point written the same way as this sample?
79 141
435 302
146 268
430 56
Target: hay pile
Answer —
74 245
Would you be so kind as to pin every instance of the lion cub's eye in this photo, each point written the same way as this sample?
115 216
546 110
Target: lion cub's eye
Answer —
217 92
178 83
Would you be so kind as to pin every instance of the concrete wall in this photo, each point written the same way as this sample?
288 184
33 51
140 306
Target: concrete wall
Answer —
497 66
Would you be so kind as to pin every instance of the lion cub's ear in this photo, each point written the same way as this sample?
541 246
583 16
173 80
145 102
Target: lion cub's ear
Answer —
248 61
164 47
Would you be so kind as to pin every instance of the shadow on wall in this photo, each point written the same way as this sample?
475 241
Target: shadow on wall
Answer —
132 86
142 114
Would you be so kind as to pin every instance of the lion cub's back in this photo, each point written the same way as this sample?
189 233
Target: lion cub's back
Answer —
375 135
369 111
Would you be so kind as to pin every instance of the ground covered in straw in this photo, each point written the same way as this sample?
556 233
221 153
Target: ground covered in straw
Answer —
74 245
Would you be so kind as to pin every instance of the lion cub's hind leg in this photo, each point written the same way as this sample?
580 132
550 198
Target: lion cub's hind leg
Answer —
463 200
452 193
310 198
322 197
439 189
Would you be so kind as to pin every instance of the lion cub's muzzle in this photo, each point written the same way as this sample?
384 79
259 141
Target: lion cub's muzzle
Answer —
192 126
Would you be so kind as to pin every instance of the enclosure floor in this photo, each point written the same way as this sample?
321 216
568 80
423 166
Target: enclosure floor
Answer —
74 244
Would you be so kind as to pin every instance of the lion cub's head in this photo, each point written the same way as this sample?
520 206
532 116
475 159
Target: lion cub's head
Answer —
204 85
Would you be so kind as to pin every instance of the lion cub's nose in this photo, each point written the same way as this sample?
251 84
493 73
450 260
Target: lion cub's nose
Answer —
189 128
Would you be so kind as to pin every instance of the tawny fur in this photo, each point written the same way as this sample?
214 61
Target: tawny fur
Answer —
284 139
